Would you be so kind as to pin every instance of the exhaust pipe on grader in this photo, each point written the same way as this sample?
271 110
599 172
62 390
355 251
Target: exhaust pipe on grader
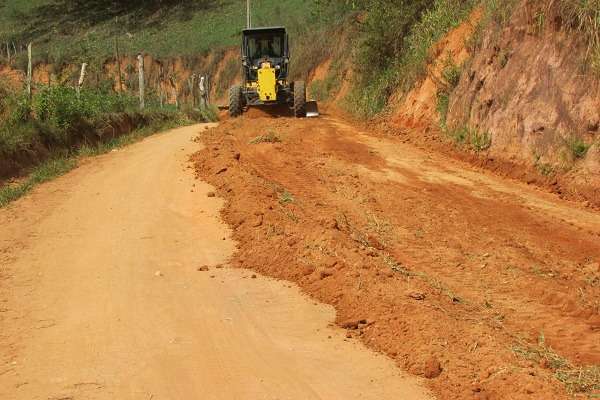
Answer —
265 66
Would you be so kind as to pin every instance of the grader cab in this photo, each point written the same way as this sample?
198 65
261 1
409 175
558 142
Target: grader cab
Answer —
265 68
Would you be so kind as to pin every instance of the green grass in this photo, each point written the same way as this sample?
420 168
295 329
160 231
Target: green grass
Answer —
63 30
471 137
450 78
577 147
64 162
285 197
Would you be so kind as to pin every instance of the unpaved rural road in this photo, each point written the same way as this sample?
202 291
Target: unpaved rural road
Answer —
100 297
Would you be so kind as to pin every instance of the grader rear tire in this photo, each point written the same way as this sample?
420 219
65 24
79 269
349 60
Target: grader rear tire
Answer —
236 101
299 99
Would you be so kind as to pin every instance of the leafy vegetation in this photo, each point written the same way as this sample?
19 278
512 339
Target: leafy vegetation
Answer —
450 76
397 38
577 147
471 137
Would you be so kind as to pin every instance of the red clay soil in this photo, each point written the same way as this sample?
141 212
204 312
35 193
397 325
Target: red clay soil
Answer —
455 274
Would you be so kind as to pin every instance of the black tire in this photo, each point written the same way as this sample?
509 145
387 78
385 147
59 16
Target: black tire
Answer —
236 101
299 99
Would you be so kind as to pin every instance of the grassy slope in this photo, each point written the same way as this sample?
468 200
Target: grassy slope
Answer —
180 30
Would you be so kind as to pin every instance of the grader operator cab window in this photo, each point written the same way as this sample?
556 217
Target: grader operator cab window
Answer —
265 46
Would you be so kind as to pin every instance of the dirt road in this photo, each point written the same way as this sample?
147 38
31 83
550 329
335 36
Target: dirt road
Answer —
100 297
487 286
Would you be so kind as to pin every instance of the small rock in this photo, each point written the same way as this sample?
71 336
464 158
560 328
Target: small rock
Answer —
203 268
253 276
258 221
221 171
158 273
325 273
375 243
530 389
292 241
236 156
432 368
210 194
350 324
416 295
306 270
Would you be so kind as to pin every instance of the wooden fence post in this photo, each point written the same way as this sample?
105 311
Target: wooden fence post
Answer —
141 78
81 78
29 69
174 86
118 64
160 84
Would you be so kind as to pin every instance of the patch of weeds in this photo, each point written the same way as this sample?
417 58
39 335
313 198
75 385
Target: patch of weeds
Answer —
543 168
290 214
584 379
577 147
476 139
432 282
451 73
503 58
450 77
270 137
443 102
459 135
285 198
480 140
397 267
539 21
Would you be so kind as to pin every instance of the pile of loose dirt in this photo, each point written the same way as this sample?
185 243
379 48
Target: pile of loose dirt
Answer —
453 280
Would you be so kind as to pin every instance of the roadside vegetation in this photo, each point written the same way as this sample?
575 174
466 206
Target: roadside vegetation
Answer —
42 136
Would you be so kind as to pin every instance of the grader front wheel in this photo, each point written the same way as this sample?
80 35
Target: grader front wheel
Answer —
236 101
299 99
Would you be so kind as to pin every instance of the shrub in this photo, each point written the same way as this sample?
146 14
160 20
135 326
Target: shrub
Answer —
577 147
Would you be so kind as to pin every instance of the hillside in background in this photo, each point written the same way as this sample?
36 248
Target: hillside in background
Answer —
64 30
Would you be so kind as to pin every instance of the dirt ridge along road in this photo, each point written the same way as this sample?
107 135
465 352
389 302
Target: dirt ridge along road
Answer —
101 297
459 272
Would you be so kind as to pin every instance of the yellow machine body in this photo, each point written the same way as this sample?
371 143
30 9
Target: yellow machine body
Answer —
267 83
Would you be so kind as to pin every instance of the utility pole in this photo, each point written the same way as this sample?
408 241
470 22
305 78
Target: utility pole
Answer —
248 19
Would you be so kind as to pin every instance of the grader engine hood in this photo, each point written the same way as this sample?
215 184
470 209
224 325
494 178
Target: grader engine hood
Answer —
267 83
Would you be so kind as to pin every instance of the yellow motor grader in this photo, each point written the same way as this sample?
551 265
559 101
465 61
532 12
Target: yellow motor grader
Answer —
265 66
